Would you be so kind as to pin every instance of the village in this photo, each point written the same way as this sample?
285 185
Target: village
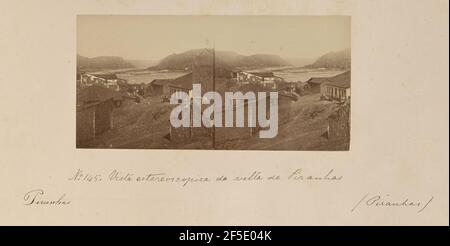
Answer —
114 113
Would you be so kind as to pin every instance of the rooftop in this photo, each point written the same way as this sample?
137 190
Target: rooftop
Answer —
105 76
263 74
160 81
184 81
96 94
341 80
318 81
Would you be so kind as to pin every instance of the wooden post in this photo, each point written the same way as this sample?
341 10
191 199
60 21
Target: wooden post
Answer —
214 89
170 132
93 122
111 116
191 121
328 131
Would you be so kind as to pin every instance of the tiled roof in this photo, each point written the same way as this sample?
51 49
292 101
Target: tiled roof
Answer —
184 81
263 74
341 80
160 81
96 93
105 76
317 80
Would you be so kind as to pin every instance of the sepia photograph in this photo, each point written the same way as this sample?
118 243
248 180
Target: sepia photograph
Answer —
224 120
213 82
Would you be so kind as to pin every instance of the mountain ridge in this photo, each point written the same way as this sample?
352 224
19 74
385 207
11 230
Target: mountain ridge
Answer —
228 59
102 62
340 59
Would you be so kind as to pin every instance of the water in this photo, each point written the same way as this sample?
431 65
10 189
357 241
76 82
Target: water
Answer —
304 74
148 76
289 74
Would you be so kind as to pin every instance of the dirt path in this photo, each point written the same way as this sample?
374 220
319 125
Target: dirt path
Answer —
146 126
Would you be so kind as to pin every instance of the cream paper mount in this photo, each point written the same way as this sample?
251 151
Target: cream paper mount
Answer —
359 135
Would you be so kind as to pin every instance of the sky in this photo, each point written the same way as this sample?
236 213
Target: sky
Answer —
153 37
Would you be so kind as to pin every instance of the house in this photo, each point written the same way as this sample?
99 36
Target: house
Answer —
314 84
95 106
337 87
268 79
92 120
166 87
181 84
97 93
201 74
107 80
247 78
157 87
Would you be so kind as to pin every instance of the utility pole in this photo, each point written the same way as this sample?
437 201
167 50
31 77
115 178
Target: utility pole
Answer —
214 90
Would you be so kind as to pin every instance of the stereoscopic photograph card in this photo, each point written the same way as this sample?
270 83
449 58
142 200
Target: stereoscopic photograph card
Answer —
214 97
224 112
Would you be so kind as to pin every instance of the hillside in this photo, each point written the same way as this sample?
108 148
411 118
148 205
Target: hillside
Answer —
141 63
340 59
188 59
145 126
102 62
262 60
300 62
